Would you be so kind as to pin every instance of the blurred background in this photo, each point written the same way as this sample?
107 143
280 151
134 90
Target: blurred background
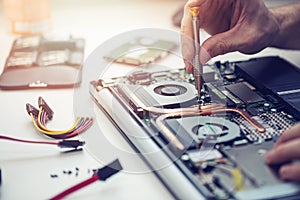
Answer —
95 20
91 16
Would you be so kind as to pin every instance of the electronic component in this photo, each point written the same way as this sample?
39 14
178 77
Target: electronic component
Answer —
244 93
251 87
141 51
276 77
230 77
261 177
204 128
235 100
43 62
22 59
166 94
140 78
221 95
209 74
217 139
274 123
42 104
244 156
27 42
41 116
199 155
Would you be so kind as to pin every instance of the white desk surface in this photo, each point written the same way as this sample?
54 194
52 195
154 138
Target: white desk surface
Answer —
26 168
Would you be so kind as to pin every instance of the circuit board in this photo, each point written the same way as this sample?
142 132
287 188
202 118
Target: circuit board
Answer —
244 107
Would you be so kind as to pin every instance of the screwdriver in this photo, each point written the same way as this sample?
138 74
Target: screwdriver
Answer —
197 67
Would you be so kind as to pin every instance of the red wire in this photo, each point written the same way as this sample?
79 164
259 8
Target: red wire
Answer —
44 118
76 187
81 129
75 132
26 141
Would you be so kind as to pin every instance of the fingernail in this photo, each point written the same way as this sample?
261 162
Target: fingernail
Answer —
188 66
204 56
284 172
268 157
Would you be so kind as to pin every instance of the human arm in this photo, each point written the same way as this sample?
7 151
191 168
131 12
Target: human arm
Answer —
288 18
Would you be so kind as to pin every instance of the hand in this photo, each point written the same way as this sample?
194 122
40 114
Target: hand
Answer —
235 25
286 149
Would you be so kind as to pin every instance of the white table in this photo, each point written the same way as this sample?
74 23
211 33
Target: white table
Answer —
26 169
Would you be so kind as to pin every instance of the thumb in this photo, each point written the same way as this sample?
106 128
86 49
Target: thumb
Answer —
219 44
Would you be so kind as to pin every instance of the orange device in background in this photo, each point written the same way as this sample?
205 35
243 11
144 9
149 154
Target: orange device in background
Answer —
28 17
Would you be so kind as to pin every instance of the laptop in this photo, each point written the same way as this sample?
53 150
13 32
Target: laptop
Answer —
211 146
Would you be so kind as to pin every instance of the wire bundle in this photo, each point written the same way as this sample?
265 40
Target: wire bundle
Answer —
42 115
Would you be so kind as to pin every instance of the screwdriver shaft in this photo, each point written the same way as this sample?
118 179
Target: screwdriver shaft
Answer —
197 67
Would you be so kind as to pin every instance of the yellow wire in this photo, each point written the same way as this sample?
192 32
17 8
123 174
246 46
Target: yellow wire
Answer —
238 179
46 129
50 132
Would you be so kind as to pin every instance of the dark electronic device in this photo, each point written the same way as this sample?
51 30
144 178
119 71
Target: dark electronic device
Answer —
43 62
220 148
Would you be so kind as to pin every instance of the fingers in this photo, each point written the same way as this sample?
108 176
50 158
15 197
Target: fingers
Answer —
285 152
290 134
188 66
287 149
216 45
290 172
220 44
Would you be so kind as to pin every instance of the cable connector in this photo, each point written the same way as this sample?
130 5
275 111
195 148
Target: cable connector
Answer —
31 109
102 174
42 103
109 170
70 144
